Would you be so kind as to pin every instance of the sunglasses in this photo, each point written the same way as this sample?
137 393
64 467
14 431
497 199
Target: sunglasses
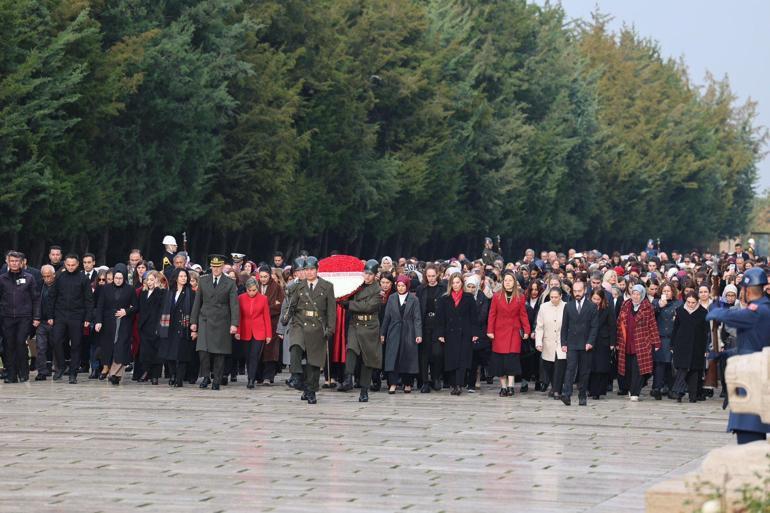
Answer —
102 280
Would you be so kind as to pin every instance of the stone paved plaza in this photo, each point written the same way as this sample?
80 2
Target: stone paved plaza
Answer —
93 447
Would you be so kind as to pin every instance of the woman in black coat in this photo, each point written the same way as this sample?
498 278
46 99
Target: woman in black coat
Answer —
457 328
482 350
604 344
530 358
150 306
401 332
114 316
689 341
176 345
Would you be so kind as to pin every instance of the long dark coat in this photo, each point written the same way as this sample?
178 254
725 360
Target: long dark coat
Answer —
214 311
400 332
178 345
665 317
458 325
149 321
364 334
689 338
272 351
482 307
605 338
115 337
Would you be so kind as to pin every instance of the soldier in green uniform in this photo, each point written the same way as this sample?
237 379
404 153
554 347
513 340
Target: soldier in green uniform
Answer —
364 332
489 256
295 357
313 317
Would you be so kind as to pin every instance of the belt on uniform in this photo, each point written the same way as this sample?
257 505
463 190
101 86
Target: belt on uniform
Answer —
310 313
364 317
431 314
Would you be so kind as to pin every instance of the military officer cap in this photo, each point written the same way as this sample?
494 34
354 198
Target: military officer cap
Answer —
371 266
488 240
237 257
312 263
299 264
216 260
754 277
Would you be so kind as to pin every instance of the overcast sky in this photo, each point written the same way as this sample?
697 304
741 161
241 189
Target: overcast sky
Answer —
724 37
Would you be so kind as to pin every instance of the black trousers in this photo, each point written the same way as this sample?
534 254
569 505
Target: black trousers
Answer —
480 360
457 376
312 375
67 331
598 383
424 351
437 361
553 374
253 354
578 364
15 332
746 437
687 380
217 366
177 369
633 378
662 377
351 363
153 370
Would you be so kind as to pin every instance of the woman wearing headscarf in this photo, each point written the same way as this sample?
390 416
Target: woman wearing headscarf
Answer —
271 353
603 346
508 324
176 345
483 348
255 330
114 314
665 311
458 329
548 342
149 309
689 340
401 332
386 290
637 335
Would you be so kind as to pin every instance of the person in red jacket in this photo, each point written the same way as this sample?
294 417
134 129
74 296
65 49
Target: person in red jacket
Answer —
508 322
255 328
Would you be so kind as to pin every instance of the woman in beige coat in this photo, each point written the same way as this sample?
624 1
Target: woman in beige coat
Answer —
548 342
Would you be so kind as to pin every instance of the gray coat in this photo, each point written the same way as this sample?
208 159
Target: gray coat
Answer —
400 334
364 328
214 311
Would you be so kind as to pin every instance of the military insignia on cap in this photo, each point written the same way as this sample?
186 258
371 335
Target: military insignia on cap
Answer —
237 257
216 260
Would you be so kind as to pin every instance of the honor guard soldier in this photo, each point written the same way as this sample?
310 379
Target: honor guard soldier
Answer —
238 261
169 250
488 256
364 332
753 326
295 357
313 317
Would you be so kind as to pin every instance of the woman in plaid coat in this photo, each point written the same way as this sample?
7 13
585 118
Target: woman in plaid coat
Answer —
637 336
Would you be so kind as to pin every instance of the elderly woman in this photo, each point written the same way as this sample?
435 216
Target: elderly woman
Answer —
401 332
508 323
457 329
637 336
548 342
114 312
689 340
665 311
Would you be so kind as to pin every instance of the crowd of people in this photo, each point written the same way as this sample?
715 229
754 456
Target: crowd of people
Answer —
604 323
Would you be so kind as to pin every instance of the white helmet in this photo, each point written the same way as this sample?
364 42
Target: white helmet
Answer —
169 240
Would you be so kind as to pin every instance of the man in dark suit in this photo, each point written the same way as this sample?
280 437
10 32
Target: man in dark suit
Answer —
578 333
214 320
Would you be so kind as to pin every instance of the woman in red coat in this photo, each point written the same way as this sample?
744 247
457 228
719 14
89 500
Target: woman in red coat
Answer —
255 327
508 321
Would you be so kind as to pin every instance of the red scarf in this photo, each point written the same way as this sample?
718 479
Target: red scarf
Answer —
457 295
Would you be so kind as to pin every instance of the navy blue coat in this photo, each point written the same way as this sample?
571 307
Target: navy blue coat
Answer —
665 318
753 325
